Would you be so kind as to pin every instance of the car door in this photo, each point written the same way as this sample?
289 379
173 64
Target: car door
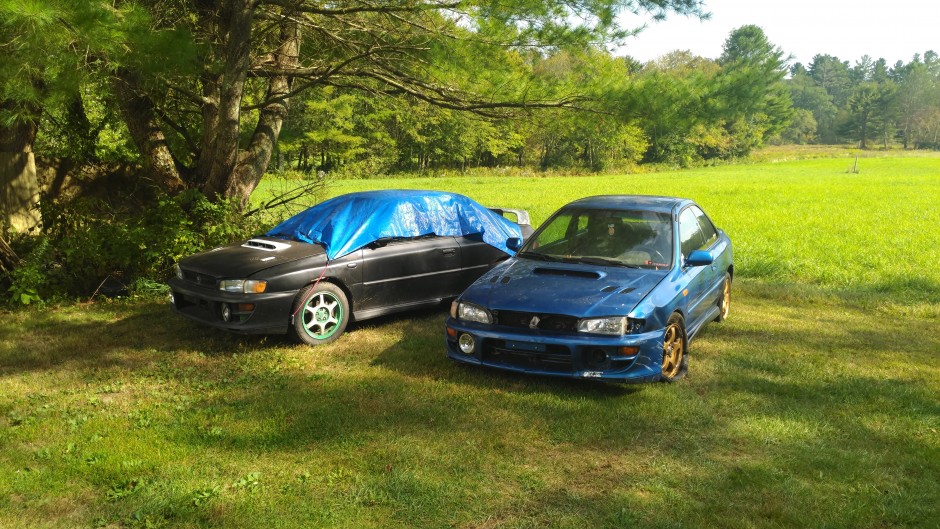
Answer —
698 278
716 246
406 271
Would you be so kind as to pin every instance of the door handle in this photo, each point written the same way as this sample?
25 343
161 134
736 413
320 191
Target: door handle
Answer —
450 251
352 265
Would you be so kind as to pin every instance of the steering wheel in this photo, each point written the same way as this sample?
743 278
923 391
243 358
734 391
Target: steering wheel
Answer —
653 253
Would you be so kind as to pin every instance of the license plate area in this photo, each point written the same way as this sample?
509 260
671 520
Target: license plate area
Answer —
525 346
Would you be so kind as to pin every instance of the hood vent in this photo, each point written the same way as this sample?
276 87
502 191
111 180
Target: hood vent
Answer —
627 290
268 246
567 273
609 288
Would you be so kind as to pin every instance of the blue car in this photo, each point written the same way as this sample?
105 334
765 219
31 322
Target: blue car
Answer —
610 287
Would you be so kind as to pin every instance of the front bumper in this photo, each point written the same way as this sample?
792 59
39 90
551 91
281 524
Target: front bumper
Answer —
269 314
569 355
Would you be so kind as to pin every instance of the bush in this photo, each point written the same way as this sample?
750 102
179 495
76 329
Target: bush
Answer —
86 240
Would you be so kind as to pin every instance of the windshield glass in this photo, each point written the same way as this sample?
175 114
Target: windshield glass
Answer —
637 239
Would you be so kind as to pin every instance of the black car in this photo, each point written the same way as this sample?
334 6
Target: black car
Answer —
353 257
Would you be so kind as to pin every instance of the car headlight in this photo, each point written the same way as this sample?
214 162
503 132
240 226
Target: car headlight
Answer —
178 271
616 325
610 325
470 312
243 286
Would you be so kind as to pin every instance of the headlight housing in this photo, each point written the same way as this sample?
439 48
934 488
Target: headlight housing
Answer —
178 271
470 312
243 286
613 325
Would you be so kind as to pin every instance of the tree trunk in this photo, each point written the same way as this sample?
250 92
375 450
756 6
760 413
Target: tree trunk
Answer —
253 162
222 155
19 187
140 115
8 258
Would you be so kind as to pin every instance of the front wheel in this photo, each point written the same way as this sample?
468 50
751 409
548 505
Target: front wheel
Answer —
320 314
675 350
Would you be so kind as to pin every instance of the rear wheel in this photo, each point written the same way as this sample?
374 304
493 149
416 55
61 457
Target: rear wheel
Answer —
675 349
724 302
321 313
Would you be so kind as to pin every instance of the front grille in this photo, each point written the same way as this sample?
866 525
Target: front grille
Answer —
550 358
531 320
200 279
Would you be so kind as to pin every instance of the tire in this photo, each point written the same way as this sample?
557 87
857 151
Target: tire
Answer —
724 302
320 314
675 361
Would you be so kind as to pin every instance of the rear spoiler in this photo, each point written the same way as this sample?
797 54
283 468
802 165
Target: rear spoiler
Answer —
522 216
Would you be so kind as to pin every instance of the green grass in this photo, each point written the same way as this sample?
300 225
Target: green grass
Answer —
805 221
814 405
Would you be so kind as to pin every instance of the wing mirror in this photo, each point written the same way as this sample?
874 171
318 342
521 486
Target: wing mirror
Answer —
514 243
699 258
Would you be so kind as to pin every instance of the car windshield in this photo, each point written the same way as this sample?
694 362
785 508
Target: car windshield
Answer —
630 238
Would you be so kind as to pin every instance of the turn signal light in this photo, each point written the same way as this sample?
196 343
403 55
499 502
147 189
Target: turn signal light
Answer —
629 351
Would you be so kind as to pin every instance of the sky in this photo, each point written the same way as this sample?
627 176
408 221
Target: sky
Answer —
893 29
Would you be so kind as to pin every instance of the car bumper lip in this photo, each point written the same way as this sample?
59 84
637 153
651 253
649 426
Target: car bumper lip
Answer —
271 314
494 344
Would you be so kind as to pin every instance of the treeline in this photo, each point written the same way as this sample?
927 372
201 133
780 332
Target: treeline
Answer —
680 109
869 102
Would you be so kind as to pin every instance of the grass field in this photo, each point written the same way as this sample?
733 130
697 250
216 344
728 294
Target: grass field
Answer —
815 405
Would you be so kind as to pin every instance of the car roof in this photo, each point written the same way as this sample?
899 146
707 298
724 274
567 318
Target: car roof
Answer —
642 202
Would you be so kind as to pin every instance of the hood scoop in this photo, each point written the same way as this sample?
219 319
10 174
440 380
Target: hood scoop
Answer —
567 272
266 245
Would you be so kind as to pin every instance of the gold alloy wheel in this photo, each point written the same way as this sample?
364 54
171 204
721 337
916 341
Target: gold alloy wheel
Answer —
673 350
726 298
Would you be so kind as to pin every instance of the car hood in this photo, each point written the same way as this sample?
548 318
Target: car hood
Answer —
580 290
243 259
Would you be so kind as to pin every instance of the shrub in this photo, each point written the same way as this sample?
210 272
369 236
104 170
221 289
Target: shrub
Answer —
88 239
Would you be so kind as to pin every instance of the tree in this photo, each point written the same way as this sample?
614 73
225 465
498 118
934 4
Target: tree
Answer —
755 101
204 86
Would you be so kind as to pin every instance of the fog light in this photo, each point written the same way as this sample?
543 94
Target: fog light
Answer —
226 312
597 359
466 343
172 299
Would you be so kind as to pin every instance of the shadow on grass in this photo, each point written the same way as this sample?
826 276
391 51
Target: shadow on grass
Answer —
795 422
100 336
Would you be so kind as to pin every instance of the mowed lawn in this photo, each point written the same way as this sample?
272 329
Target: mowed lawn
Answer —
817 404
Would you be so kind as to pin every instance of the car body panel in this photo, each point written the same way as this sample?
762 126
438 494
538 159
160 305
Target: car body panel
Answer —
385 276
553 296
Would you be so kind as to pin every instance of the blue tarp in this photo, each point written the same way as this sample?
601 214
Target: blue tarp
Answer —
348 222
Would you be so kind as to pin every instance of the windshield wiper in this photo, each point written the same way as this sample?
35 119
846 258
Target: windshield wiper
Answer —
600 261
537 256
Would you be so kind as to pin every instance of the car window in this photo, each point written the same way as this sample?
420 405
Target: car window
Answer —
556 232
633 238
709 232
690 236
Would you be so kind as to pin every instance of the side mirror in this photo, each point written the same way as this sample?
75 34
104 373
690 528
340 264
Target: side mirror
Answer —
514 243
699 258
